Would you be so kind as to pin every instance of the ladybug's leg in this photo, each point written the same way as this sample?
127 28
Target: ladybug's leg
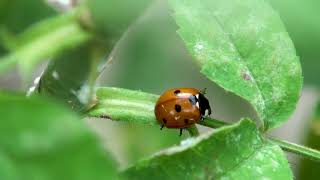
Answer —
180 132
162 127
206 115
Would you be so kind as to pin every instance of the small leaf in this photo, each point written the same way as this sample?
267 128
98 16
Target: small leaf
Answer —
233 152
243 47
41 140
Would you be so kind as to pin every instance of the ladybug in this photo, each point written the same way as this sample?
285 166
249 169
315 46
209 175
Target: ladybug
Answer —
181 108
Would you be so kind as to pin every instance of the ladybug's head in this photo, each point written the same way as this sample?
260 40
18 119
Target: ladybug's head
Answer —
204 106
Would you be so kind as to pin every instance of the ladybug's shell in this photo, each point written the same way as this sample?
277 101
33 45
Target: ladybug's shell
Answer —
172 117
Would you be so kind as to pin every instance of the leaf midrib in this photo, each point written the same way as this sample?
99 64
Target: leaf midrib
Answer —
231 40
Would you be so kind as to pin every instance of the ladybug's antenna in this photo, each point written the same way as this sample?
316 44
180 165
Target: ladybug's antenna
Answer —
203 91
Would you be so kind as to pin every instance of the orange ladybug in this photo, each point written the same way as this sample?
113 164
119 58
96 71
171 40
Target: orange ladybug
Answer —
181 108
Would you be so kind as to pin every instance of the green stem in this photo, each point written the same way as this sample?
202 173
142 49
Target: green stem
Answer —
125 105
285 145
213 123
138 107
306 152
43 40
193 131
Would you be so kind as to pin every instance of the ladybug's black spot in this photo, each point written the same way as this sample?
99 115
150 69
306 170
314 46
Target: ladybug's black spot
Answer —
176 92
186 121
177 107
164 120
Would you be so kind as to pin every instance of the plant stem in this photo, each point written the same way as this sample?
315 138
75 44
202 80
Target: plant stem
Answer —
138 107
306 152
43 40
193 131
213 123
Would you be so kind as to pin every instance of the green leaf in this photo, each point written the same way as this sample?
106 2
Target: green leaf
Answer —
16 15
233 152
301 21
125 105
44 40
70 77
41 140
243 47
79 68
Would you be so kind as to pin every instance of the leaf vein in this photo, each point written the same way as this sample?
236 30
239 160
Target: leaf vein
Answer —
231 40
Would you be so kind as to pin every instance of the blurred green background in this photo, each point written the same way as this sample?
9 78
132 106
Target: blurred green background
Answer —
149 56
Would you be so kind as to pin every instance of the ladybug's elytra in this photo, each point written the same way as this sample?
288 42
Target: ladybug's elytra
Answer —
181 108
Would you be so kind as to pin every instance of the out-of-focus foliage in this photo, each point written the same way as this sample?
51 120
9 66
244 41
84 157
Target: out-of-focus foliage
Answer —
301 19
17 15
114 16
70 77
310 169
43 40
41 140
78 69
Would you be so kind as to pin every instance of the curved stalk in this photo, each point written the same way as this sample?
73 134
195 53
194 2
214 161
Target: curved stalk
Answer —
137 107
